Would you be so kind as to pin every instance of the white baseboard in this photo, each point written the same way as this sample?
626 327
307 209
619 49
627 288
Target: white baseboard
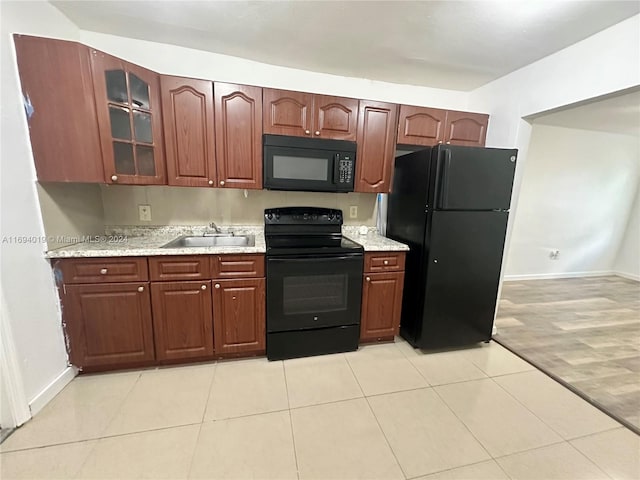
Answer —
630 276
549 276
51 390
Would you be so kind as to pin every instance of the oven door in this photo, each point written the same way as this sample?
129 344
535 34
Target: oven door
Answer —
291 168
305 292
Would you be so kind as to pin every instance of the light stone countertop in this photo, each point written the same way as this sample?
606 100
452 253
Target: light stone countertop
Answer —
125 241
147 241
373 241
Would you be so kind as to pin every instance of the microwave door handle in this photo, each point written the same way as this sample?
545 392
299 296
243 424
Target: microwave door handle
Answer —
336 170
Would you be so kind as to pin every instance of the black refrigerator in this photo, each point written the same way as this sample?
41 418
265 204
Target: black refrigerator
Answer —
450 204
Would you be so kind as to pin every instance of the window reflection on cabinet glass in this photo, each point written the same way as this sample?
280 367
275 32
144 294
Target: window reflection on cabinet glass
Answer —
120 126
146 165
123 156
139 91
116 86
142 127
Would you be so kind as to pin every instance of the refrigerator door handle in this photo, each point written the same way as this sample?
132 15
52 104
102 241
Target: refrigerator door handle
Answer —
444 193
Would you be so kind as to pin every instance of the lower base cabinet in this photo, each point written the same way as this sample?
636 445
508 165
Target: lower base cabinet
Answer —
109 324
382 296
239 313
182 319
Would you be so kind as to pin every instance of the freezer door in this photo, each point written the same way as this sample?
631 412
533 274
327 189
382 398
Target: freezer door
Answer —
471 178
463 272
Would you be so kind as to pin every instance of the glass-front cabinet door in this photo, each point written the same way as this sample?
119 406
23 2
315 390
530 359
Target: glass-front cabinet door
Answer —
128 105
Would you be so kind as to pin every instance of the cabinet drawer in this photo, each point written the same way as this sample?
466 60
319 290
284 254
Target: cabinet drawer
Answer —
103 270
237 266
180 267
384 262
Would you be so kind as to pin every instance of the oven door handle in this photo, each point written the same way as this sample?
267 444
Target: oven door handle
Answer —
312 259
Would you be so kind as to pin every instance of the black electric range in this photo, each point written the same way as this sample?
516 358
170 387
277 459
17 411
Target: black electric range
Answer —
314 283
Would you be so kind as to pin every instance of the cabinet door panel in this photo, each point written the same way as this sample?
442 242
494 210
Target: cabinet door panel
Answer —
464 128
182 319
335 117
287 113
132 154
109 324
238 135
56 80
376 146
421 125
187 108
381 305
239 316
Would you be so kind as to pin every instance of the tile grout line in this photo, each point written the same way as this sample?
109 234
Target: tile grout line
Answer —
455 468
293 437
213 377
377 421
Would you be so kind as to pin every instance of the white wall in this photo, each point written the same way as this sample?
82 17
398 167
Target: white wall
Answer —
174 60
628 259
576 196
27 281
606 62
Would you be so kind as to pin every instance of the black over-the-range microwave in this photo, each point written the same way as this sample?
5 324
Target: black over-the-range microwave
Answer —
311 164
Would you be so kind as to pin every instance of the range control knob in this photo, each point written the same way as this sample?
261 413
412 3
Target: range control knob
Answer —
306 216
269 216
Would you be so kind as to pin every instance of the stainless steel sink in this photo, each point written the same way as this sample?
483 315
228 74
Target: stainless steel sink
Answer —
217 240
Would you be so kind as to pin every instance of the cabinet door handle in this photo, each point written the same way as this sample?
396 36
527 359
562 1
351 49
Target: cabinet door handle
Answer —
141 289
203 287
103 271
440 142
368 279
386 262
221 182
210 182
114 178
307 132
317 132
217 285
448 143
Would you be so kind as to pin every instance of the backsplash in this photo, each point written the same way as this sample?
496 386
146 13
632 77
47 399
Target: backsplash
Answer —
199 206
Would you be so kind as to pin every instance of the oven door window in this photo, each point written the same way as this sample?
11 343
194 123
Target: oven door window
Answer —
313 292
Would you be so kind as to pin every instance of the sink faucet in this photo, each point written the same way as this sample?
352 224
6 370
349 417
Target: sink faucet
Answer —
215 227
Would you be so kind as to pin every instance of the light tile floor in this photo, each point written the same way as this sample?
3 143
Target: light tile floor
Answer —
384 412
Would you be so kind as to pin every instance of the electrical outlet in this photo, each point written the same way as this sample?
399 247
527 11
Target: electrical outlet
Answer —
353 211
554 254
144 212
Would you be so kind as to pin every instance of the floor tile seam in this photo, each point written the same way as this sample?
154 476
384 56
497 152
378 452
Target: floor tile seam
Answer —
293 437
266 412
528 410
378 423
122 402
463 423
206 405
497 459
460 466
193 453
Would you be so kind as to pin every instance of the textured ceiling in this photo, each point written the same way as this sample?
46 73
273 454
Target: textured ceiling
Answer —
447 44
614 114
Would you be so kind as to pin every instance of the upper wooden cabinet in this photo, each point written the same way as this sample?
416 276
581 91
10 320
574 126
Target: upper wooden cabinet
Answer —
464 128
56 82
128 109
421 125
187 110
305 114
376 146
238 111
431 126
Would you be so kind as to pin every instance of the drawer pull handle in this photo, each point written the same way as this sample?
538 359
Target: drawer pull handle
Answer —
217 285
203 287
386 262
141 289
368 279
103 271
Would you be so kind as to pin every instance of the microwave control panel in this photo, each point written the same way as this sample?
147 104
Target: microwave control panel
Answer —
345 168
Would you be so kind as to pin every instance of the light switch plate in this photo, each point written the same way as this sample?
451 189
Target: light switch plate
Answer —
144 212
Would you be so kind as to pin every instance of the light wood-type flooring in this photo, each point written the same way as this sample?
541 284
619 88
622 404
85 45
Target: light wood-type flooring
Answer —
583 331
